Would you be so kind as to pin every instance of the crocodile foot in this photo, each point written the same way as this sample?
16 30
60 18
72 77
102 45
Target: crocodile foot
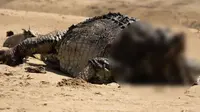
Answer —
97 71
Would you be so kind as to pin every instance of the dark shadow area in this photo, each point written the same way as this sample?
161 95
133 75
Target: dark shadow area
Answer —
49 69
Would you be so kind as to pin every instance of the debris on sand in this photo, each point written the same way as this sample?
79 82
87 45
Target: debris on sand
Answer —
26 77
23 84
36 69
8 73
44 82
72 82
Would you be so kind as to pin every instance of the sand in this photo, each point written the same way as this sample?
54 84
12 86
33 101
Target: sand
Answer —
21 91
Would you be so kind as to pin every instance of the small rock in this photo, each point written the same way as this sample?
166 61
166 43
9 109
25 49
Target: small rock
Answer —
44 82
8 74
37 69
114 85
98 93
2 14
45 104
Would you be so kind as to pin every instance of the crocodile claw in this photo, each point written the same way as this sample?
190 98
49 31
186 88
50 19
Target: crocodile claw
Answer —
100 63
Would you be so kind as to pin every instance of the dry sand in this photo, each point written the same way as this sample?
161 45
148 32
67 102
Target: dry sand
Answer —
21 91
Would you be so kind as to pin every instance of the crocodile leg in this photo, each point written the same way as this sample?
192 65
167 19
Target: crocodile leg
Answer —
97 71
41 45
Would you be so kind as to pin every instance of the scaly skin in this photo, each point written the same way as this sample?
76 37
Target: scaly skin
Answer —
88 40
15 39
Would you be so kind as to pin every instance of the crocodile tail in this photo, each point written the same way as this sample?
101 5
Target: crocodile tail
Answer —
43 44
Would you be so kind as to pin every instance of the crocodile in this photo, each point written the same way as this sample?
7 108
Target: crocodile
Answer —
81 42
82 51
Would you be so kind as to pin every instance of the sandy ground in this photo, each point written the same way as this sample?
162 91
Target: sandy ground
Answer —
21 91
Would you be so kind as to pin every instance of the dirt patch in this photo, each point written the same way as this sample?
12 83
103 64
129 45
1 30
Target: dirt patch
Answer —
72 82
